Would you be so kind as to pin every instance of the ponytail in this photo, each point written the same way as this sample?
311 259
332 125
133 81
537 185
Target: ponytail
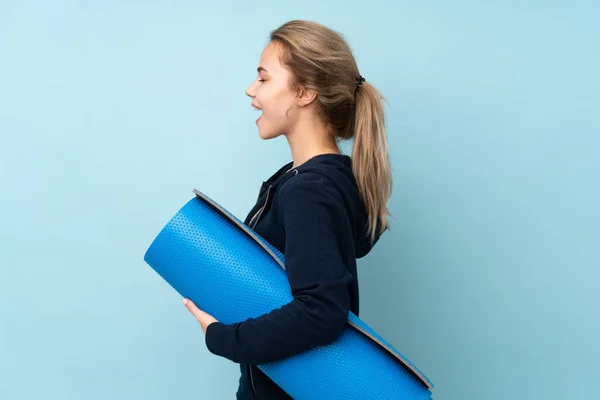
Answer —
370 159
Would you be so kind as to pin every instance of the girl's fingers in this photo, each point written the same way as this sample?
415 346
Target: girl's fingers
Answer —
193 309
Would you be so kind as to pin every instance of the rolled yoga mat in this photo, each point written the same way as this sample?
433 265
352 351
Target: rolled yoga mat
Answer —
209 256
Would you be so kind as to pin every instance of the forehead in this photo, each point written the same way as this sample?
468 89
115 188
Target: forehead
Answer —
269 59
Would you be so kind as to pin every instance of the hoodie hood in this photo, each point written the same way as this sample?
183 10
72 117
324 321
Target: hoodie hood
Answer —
338 169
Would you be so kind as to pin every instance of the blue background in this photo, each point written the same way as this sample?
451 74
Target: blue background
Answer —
111 113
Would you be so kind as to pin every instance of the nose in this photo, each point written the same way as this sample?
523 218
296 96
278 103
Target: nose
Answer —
250 90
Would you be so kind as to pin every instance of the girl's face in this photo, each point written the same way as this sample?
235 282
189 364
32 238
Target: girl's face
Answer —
271 92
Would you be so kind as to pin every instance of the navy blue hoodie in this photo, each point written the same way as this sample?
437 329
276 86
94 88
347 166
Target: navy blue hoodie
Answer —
315 216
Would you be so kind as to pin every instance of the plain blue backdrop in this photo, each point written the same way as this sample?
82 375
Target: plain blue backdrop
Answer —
112 112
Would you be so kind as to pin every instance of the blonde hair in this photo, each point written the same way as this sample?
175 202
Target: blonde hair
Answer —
319 58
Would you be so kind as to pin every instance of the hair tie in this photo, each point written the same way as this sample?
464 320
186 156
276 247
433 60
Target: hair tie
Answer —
360 80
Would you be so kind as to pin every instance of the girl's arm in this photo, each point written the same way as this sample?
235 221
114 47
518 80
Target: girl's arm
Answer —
312 220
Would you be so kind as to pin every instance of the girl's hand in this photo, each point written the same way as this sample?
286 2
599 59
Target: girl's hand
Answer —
202 317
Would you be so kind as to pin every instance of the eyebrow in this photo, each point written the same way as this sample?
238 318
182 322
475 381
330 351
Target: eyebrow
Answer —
261 69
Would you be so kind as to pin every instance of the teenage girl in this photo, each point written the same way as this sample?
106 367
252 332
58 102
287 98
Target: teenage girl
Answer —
323 210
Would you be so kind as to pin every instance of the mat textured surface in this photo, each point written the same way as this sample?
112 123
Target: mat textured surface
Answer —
209 256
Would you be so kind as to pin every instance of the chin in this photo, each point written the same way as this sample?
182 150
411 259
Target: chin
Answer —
267 135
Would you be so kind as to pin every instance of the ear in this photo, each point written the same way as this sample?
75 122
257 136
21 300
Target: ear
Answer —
306 96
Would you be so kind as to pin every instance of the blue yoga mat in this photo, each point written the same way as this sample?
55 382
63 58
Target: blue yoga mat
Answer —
209 256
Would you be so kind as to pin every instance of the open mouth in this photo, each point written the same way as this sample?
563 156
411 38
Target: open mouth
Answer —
257 109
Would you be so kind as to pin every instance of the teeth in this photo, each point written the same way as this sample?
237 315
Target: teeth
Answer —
256 108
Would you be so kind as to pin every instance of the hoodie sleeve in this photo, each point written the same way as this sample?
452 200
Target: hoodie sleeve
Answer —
318 277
